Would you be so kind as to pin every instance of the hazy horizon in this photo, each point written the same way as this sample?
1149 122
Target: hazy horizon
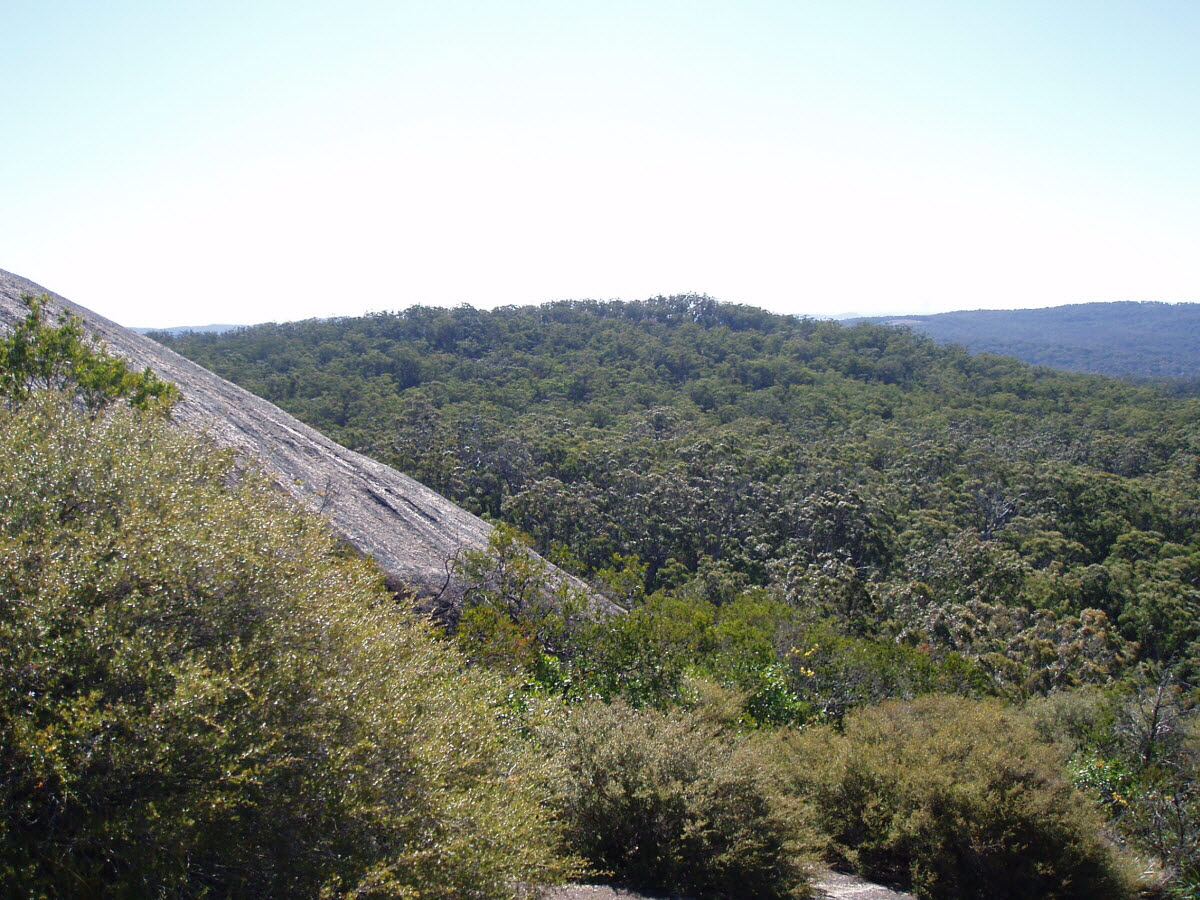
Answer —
289 161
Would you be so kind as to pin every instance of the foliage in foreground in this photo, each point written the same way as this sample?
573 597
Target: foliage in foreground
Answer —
203 698
1137 754
664 801
952 798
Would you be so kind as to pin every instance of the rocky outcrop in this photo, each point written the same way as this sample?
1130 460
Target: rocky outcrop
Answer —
413 532
827 885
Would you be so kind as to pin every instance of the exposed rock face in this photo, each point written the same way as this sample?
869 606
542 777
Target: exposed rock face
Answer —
828 886
411 531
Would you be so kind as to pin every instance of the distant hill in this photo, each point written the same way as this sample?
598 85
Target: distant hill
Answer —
184 329
1155 340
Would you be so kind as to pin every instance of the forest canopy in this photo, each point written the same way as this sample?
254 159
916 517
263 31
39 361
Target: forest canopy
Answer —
1041 523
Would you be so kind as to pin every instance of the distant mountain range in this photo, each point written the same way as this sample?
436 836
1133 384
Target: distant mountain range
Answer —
184 329
1126 339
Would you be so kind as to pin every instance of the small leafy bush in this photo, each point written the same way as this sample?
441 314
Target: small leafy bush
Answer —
38 356
953 798
664 801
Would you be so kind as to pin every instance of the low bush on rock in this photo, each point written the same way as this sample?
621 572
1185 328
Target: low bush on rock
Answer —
954 798
665 801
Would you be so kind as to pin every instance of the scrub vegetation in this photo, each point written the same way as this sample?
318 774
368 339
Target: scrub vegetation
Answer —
204 696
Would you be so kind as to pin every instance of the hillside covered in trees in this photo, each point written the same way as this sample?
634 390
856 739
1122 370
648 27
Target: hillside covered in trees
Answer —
1123 339
921 615
820 518
719 448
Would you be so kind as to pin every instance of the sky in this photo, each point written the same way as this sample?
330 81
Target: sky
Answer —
188 163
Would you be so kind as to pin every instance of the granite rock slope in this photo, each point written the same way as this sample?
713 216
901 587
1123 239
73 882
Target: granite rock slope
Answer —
413 532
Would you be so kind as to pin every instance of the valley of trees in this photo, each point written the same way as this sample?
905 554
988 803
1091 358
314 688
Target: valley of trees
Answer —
903 493
927 616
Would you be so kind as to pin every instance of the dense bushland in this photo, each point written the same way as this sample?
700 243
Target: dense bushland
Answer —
671 802
691 787
1041 523
804 522
818 518
206 696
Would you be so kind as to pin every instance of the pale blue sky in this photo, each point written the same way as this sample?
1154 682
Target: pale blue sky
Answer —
168 163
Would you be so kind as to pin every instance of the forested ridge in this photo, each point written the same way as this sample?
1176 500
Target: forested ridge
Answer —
962 502
1124 339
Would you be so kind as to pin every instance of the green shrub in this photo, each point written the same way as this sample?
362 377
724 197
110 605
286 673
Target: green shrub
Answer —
664 801
202 697
954 798
38 356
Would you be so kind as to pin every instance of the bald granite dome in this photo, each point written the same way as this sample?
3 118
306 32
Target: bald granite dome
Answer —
414 533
